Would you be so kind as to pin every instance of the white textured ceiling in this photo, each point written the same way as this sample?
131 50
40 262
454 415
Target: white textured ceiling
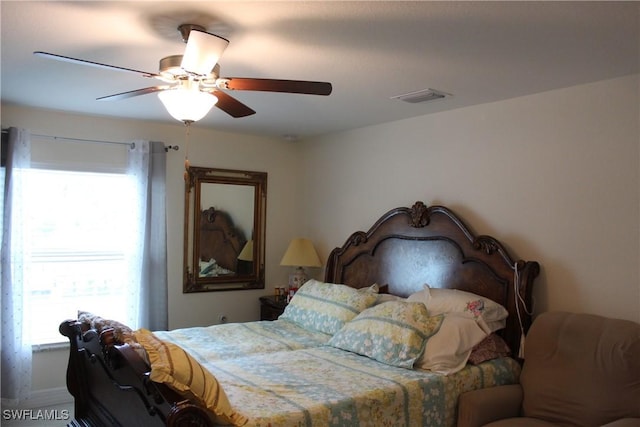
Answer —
370 51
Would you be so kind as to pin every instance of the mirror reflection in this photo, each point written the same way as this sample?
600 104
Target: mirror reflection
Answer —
224 229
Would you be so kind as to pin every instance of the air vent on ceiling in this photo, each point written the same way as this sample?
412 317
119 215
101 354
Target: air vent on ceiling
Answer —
425 95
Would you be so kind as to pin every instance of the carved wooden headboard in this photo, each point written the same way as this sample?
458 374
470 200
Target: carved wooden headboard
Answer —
220 239
408 247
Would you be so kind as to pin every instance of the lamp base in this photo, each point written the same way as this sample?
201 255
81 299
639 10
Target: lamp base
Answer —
298 278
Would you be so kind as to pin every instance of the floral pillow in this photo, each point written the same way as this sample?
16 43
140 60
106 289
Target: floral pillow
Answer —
490 315
489 348
382 294
393 333
122 333
326 307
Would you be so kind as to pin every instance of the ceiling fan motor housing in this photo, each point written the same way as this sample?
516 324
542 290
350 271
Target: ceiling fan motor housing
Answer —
170 66
185 30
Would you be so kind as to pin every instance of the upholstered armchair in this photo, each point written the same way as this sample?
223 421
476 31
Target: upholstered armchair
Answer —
579 370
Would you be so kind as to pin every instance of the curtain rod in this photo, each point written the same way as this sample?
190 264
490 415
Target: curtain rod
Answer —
64 138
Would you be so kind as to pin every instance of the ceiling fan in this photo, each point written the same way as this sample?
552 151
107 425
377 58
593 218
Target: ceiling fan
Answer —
192 81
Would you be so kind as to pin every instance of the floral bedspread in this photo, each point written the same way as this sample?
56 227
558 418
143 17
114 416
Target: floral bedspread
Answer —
231 340
325 386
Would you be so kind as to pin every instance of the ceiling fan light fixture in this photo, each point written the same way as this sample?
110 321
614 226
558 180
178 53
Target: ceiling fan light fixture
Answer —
202 52
187 103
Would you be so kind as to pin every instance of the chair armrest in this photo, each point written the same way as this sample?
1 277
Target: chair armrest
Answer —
479 407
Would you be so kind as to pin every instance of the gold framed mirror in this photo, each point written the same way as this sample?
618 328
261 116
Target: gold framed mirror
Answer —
224 229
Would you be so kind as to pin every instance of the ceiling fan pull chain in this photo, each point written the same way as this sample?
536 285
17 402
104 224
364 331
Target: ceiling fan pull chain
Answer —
187 124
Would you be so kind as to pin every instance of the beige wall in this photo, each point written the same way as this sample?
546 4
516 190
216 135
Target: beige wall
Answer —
554 175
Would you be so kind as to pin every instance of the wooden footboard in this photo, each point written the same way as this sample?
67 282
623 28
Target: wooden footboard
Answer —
111 387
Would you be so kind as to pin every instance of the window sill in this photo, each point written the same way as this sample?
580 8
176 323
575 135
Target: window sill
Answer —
41 348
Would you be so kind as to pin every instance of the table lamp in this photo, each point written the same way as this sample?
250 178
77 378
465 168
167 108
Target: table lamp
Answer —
246 254
245 259
300 254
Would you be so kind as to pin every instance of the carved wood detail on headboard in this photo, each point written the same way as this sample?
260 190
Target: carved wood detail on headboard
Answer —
419 215
409 247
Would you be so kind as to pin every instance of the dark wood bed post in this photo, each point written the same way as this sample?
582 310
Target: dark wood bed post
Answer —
71 330
100 369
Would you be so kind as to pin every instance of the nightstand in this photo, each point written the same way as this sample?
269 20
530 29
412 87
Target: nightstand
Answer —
272 306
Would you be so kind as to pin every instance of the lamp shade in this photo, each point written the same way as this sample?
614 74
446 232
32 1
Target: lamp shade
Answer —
187 103
301 253
246 254
202 52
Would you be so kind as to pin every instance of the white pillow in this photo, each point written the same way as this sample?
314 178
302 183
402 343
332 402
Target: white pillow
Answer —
490 315
448 350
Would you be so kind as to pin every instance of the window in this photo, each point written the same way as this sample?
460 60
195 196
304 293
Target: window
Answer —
79 232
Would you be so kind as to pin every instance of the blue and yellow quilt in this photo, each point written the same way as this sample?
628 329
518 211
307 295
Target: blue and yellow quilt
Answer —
325 386
232 340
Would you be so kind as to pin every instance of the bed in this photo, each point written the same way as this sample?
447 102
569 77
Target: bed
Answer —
315 367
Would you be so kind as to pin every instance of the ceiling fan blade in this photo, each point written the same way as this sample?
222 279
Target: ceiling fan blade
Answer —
132 93
232 106
271 85
92 64
202 52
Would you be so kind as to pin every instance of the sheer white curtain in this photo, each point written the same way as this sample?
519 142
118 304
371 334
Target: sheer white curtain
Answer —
147 166
146 255
16 346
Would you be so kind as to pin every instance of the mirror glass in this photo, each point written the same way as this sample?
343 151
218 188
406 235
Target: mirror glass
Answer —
225 217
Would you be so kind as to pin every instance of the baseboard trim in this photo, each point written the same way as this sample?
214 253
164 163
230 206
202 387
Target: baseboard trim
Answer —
48 397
